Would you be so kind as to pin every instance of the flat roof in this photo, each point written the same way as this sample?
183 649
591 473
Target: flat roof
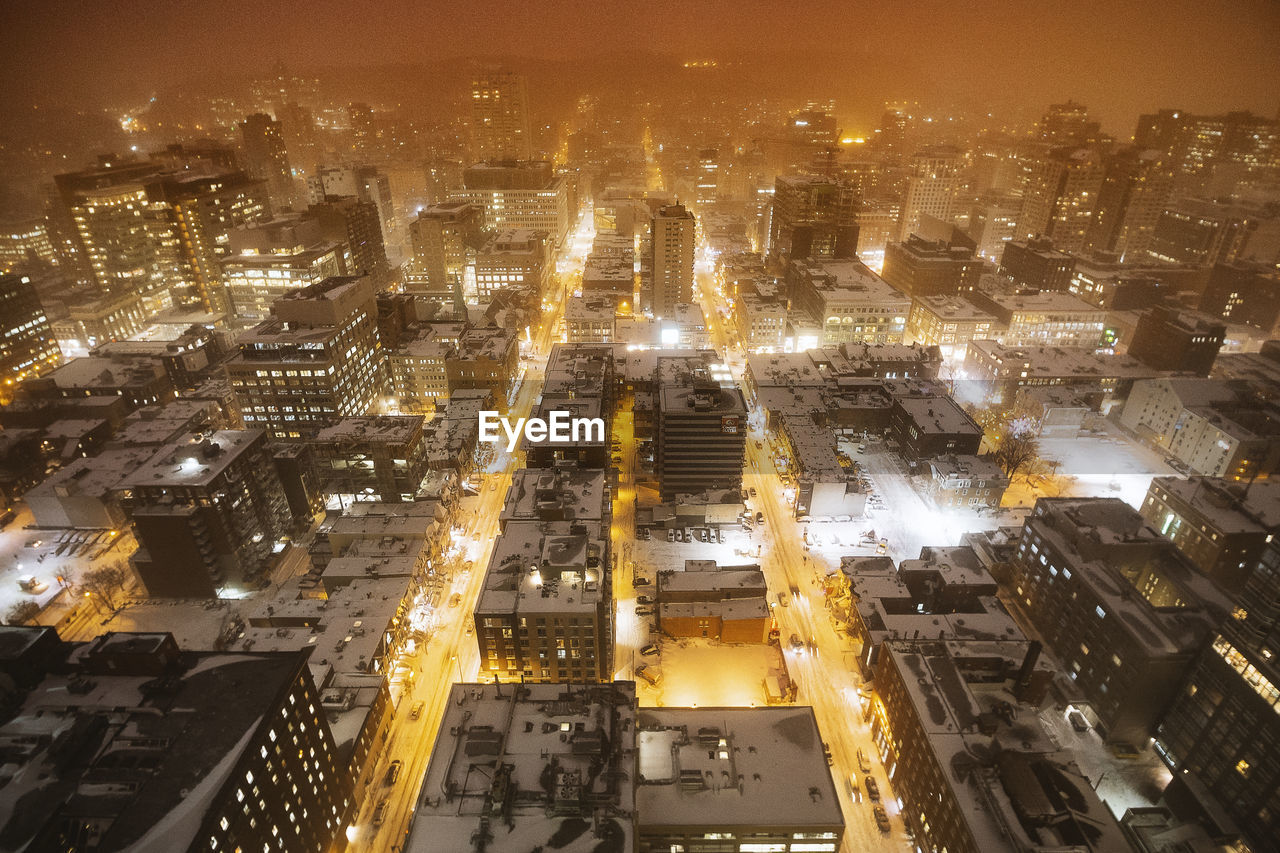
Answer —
703 767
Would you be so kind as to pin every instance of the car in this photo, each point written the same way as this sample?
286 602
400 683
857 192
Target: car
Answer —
796 642
719 536
826 751
393 772
644 599
863 764
416 711
644 611
784 599
1077 720
752 491
862 448
759 445
641 580
873 790
617 460
471 629
671 536
882 820
703 535
642 533
649 674
883 547
380 813
855 790
455 599
759 517
7 518
650 650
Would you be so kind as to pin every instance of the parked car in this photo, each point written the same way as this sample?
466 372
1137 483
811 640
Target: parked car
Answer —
416 711
644 611
863 764
752 491
648 674
380 813
650 650
671 536
719 536
759 517
826 751
393 773
1078 722
455 599
642 533
873 790
641 580
644 599
7 518
882 820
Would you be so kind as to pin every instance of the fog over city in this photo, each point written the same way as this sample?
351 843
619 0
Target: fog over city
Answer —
687 427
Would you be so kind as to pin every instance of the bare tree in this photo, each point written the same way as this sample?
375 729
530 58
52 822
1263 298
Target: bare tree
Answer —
21 613
106 582
1017 448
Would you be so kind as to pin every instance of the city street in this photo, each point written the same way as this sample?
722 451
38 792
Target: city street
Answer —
450 654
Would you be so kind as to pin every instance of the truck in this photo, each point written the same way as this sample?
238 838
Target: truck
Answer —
773 692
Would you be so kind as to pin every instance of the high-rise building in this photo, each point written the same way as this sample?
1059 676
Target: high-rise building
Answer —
27 346
1222 728
353 224
1067 124
224 750
500 116
1206 231
266 158
269 259
707 188
701 437
1243 293
931 188
673 233
367 183
317 359
1061 197
208 511
813 217
1034 264
1208 153
1136 187
445 238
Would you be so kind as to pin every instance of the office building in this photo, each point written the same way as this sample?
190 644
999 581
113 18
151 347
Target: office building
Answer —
921 267
813 217
1062 197
497 740
1035 265
27 345
270 259
208 512
513 258
849 302
1210 154
205 751
674 237
353 224
932 186
1118 604
367 183
519 195
266 158
1178 341
1205 231
1045 318
500 116
318 358
949 322
701 437
933 426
